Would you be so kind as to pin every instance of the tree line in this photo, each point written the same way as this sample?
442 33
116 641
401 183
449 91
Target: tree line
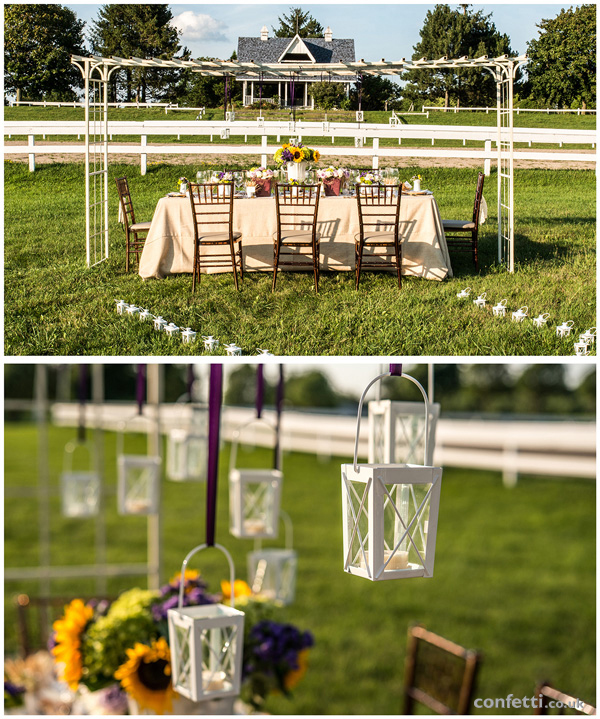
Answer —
39 39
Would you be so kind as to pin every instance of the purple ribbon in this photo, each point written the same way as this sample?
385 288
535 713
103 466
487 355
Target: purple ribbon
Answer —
260 391
214 421
141 387
396 370
278 409
83 387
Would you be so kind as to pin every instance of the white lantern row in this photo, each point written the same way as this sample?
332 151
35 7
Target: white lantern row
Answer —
390 513
188 336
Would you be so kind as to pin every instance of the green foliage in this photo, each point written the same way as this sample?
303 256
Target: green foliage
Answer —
376 93
139 31
562 65
206 91
298 22
38 42
328 95
127 621
455 33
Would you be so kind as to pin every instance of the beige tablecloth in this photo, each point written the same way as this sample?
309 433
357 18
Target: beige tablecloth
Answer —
168 248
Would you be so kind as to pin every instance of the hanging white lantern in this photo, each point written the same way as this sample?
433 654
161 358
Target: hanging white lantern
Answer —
272 571
224 133
207 644
159 323
564 330
499 310
390 514
121 307
464 293
254 495
187 450
360 116
188 336
541 320
589 336
582 349
210 343
138 478
480 301
80 490
397 432
520 314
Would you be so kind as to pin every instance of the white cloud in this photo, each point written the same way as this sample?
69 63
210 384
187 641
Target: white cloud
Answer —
197 26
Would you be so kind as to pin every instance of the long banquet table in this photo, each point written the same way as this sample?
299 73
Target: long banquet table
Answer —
169 245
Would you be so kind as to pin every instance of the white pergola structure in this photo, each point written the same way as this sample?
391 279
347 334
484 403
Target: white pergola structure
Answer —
97 70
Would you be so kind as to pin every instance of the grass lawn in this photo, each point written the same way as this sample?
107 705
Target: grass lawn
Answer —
54 305
514 573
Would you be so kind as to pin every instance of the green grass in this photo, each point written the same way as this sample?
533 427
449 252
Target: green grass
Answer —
54 305
514 574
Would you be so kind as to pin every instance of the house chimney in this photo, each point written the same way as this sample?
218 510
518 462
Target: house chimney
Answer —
328 35
264 33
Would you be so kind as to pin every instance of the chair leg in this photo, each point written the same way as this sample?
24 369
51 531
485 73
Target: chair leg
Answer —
358 252
276 248
398 252
233 263
127 251
316 265
241 256
196 267
475 258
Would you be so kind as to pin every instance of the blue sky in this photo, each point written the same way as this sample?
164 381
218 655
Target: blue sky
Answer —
380 30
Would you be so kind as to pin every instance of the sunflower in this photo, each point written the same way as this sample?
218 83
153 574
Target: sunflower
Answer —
67 635
317 156
146 676
297 154
293 677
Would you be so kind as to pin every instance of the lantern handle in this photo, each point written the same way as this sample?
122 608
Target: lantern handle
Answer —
360 405
236 435
122 427
70 449
199 548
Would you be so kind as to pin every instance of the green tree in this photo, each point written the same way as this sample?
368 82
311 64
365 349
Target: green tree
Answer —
376 93
140 31
310 389
206 91
298 23
38 42
562 65
453 34
328 95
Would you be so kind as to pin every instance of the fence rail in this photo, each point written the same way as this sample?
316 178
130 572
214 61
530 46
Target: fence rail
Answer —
517 110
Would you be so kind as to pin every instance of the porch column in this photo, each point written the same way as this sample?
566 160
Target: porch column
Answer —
252 92
244 90
279 92
305 94
285 88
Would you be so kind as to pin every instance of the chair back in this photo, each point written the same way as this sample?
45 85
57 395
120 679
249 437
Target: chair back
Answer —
212 205
297 207
378 208
478 196
438 673
125 200
545 694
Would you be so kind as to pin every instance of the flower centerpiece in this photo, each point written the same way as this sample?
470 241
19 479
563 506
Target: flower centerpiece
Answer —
182 184
295 157
416 180
220 178
261 178
333 179
369 178
97 645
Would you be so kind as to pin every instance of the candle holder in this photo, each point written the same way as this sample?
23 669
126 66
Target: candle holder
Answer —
564 330
233 350
80 490
207 644
210 343
582 349
121 307
138 476
272 572
390 513
541 320
132 310
589 336
520 314
171 329
464 293
397 432
480 301
187 449
188 336
159 323
499 310
360 116
145 315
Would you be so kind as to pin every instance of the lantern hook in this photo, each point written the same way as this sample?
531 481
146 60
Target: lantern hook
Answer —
190 554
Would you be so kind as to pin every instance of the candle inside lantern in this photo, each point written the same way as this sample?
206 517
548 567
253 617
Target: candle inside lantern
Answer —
399 560
268 593
254 526
214 681
137 506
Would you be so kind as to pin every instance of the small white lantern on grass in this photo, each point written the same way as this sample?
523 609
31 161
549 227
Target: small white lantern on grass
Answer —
138 477
480 301
520 314
464 293
582 349
499 310
132 310
254 494
171 329
210 343
188 336
589 336
272 571
233 350
564 330
541 320
80 489
145 315
207 644
390 513
159 323
122 307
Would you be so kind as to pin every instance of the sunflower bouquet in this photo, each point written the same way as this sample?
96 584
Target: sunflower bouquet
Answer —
96 644
295 152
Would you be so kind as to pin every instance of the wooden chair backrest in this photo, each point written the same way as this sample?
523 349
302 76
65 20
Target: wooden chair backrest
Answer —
297 206
478 196
212 206
545 693
438 673
126 202
378 205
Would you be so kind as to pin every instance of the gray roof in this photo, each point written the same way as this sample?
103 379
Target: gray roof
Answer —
253 49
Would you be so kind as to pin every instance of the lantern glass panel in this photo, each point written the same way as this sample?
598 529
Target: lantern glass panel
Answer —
272 573
379 426
357 520
138 484
184 679
409 435
187 456
254 497
405 525
80 493
219 646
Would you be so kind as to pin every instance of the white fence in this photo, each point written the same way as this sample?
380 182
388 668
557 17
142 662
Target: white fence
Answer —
547 448
517 110
366 138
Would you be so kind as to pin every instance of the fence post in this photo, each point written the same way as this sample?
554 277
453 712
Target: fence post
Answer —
143 155
487 163
375 153
31 143
263 147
